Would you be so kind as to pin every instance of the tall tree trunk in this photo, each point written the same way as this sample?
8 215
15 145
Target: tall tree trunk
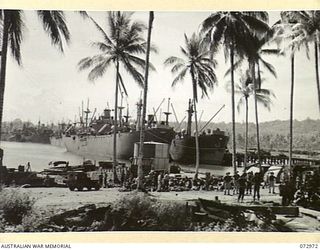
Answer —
144 109
291 110
234 151
259 75
246 135
4 49
316 58
196 137
115 129
253 70
194 87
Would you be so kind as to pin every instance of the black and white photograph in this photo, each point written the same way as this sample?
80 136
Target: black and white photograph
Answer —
172 121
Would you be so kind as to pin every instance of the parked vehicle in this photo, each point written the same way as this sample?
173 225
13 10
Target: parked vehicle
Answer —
80 180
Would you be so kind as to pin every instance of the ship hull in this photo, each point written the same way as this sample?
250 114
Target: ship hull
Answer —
56 141
212 149
101 146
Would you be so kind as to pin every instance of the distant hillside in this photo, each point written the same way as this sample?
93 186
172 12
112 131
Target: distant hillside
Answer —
274 134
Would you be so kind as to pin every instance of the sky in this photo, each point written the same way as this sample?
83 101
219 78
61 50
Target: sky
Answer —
50 87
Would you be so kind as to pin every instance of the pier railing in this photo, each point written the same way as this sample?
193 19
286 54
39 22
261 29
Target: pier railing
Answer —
277 160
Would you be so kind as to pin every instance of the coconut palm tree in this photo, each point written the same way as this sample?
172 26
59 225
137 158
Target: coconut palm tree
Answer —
13 25
245 89
254 56
307 29
196 61
144 107
234 31
255 59
285 33
120 46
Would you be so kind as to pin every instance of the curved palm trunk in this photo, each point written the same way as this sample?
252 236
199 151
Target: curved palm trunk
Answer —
144 109
115 130
4 50
246 135
316 58
256 112
234 151
291 111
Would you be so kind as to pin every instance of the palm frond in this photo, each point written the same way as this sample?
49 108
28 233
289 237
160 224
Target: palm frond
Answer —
180 77
99 69
135 74
84 14
172 60
177 67
240 103
104 34
269 67
140 62
236 66
271 52
15 32
265 92
101 46
54 24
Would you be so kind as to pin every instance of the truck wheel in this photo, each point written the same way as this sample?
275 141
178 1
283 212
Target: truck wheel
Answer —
89 188
71 188
80 188
96 188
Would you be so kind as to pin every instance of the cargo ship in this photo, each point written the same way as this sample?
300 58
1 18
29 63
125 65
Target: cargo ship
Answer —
95 138
56 136
56 141
212 145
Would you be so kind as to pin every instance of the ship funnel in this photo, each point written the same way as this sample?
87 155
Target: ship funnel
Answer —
107 113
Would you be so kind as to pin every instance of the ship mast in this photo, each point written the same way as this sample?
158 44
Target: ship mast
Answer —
87 112
120 110
167 113
127 115
139 106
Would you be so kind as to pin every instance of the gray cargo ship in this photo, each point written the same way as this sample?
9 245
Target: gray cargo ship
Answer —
212 145
96 139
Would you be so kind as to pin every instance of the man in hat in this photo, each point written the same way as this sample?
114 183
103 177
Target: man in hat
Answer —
242 186
227 183
256 186
272 181
236 183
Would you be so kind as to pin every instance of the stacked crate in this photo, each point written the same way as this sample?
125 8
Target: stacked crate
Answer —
158 152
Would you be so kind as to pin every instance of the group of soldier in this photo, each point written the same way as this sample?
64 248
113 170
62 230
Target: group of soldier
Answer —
246 183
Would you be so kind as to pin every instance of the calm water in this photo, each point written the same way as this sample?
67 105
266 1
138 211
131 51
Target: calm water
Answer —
39 155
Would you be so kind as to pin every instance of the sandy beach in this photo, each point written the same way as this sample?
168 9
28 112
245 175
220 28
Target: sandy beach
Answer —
63 199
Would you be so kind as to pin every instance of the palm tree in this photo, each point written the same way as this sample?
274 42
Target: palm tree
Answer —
285 30
13 26
200 66
245 89
254 55
144 108
234 30
119 47
307 30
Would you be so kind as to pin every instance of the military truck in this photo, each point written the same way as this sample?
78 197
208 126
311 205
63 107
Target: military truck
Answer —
80 180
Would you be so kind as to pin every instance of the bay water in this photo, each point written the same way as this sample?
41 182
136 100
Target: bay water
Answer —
39 155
